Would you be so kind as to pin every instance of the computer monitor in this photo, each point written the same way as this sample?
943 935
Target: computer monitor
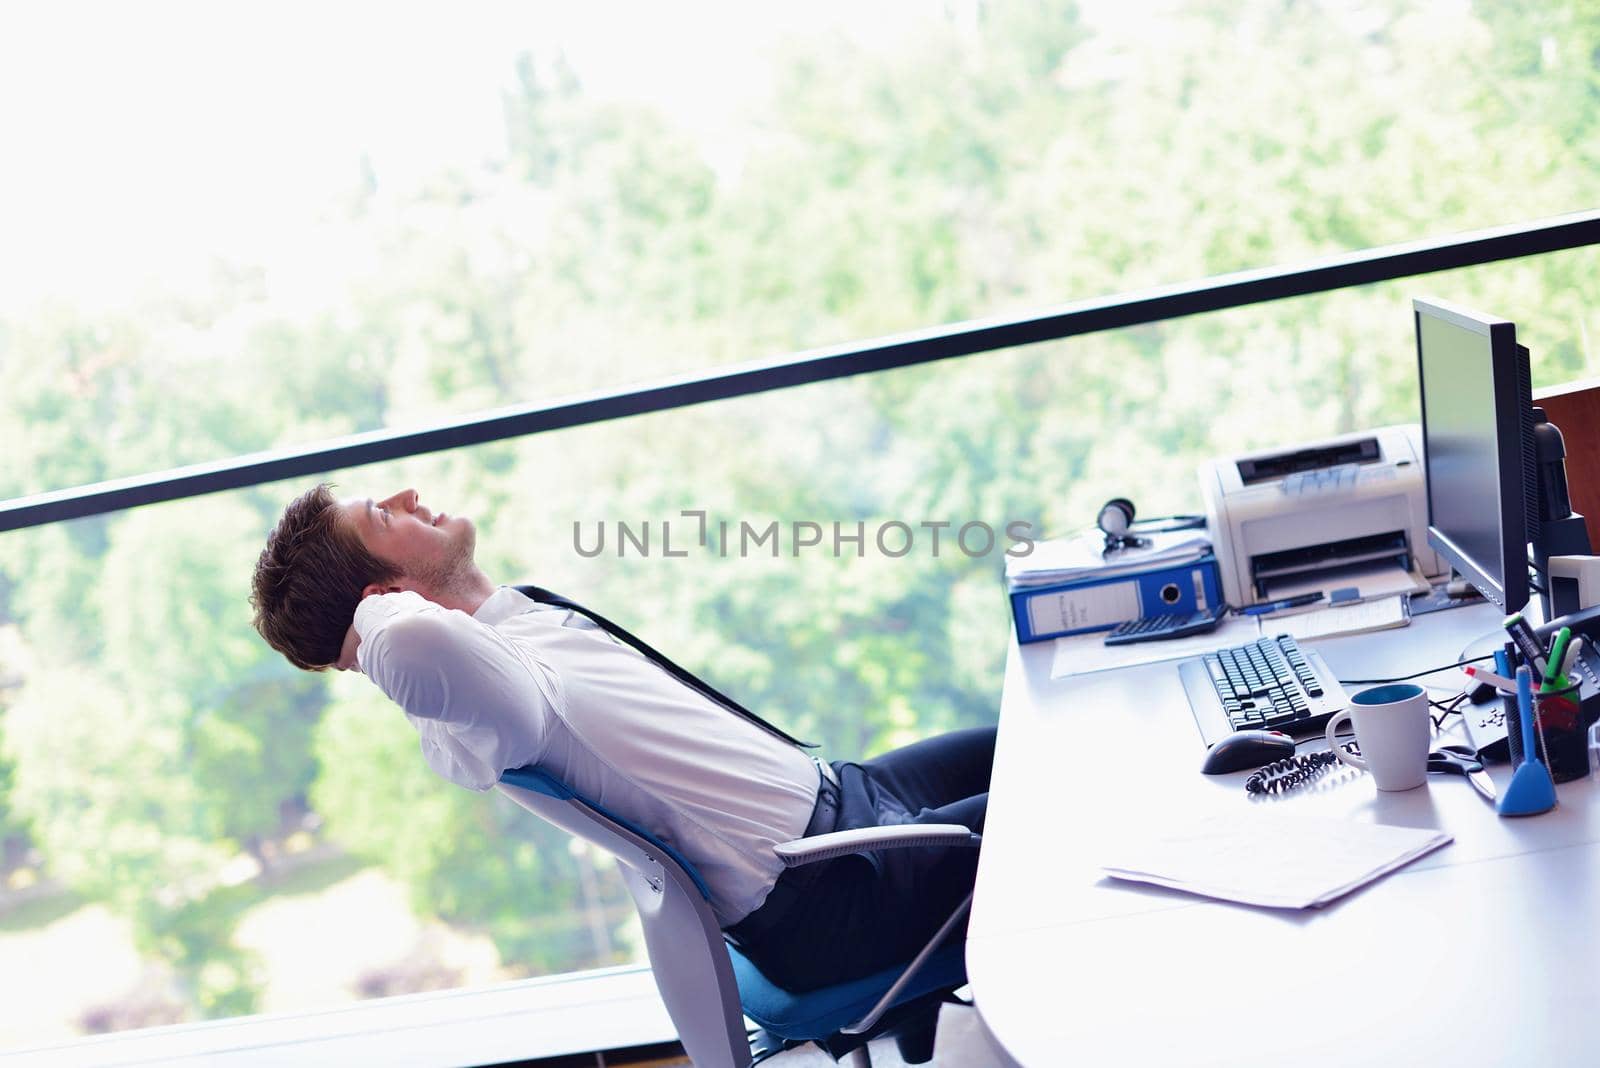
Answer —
1478 447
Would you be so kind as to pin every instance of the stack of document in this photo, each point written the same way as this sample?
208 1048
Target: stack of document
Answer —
1270 858
1065 560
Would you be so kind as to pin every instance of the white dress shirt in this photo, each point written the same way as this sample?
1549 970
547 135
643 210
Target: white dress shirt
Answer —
519 683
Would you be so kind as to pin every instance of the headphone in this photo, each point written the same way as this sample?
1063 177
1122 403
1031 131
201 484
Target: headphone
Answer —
1116 521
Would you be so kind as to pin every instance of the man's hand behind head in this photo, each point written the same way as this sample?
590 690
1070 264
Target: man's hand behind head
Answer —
347 654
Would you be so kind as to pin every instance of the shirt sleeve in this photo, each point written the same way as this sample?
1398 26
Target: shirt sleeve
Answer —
481 709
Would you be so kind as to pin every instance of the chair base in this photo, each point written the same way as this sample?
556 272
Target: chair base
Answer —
915 1039
913 1025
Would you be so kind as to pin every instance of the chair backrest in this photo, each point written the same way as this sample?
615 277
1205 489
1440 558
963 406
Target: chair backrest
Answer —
1575 408
681 934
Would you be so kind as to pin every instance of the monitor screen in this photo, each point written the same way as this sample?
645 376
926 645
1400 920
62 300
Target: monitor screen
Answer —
1477 446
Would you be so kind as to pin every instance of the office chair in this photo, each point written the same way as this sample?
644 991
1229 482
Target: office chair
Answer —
709 987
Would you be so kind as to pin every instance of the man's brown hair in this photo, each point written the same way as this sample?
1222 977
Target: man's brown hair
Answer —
309 579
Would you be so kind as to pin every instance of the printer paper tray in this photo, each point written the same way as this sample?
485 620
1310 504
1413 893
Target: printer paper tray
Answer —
1375 555
1379 578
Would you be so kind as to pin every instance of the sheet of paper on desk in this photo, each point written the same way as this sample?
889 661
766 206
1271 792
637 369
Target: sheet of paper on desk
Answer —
1079 654
1330 620
1271 858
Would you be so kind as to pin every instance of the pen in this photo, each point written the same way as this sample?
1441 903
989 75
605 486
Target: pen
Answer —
1287 602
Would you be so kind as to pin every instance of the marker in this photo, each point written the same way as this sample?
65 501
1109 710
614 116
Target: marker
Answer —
1556 680
1558 647
1522 634
1499 682
1277 606
1570 661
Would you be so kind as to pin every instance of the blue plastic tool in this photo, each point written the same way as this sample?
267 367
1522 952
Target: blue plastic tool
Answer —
1531 791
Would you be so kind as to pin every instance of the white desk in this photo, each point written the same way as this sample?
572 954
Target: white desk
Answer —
1484 952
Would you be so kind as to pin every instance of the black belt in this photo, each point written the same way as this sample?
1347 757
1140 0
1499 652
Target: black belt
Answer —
793 883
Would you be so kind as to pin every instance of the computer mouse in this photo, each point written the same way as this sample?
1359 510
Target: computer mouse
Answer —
1247 749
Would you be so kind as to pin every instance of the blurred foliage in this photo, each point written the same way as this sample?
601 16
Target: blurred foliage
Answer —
477 861
1006 156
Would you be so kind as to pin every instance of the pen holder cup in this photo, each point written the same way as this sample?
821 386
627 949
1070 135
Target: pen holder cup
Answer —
1559 720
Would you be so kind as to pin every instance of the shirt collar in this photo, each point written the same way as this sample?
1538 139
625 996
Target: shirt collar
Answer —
501 605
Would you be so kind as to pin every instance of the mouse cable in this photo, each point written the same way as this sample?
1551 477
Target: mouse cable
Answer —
1416 674
1445 708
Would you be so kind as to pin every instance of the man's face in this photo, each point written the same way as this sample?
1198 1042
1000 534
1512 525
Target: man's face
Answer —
431 550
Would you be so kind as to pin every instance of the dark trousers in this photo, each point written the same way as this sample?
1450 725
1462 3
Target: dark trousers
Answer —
840 919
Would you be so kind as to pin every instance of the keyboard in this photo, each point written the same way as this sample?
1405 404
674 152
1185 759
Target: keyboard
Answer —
1268 684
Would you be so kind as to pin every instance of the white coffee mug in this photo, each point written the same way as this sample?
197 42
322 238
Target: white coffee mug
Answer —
1392 729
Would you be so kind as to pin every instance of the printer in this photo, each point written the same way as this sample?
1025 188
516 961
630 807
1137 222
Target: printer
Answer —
1312 516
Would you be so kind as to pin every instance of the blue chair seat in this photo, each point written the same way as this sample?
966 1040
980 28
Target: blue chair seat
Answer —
819 1013
709 987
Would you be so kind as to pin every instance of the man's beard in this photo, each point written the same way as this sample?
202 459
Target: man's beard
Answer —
449 574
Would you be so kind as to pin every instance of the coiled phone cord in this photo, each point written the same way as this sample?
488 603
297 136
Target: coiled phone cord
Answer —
1284 775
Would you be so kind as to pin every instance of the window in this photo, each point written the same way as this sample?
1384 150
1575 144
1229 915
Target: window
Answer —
233 234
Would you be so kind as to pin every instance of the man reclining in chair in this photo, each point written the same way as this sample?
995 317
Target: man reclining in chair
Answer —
493 680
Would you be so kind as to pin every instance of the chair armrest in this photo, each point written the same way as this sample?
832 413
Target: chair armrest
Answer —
898 836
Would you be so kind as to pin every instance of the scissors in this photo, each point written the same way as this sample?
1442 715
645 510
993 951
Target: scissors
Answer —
1462 760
